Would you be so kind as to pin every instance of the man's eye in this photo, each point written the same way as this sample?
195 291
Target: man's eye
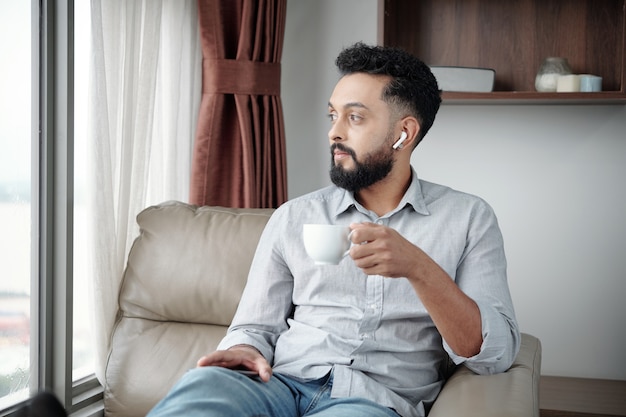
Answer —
355 118
332 117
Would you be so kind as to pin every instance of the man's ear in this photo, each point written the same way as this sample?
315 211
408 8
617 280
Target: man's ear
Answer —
411 126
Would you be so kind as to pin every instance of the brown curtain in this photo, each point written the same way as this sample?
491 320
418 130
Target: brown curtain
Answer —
239 155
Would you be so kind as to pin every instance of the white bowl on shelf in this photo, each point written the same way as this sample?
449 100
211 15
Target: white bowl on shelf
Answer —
464 79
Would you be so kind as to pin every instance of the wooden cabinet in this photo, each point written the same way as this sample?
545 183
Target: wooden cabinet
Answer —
513 37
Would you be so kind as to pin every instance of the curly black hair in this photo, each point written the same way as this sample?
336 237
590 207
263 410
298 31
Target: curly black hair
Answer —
413 87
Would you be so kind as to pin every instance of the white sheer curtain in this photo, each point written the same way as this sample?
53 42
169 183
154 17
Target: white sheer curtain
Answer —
145 89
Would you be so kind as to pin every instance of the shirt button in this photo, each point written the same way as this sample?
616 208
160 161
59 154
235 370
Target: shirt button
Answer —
380 221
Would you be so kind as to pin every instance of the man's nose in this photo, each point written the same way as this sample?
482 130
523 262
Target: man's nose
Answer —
336 133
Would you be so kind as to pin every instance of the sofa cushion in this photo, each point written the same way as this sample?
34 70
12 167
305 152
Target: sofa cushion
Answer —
190 264
182 283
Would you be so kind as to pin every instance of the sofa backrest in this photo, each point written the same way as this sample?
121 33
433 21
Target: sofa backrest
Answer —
181 286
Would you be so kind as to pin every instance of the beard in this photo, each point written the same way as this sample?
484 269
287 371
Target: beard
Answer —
374 168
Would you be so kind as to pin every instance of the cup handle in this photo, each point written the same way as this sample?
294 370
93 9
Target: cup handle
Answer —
350 241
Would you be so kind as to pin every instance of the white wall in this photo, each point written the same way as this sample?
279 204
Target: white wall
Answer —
315 32
555 177
553 173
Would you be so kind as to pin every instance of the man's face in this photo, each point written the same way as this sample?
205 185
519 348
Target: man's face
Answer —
361 137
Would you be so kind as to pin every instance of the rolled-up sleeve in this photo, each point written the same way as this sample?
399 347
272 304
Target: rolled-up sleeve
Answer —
501 341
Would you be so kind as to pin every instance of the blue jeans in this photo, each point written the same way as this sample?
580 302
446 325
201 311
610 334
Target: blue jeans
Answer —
214 391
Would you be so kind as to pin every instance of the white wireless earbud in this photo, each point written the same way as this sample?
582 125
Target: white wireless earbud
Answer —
398 144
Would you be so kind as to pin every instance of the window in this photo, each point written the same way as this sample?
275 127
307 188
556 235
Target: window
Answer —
15 200
83 357
44 337
45 240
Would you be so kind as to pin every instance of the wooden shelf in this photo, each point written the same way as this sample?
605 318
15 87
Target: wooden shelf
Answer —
533 97
563 396
514 38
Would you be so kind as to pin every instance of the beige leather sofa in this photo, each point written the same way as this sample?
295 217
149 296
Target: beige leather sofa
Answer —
185 273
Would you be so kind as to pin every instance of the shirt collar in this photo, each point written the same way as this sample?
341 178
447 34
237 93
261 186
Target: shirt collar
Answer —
413 198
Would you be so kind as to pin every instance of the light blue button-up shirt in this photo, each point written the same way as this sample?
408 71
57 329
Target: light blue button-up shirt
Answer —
373 331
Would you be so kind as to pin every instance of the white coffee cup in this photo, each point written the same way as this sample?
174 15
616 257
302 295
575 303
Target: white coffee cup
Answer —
326 244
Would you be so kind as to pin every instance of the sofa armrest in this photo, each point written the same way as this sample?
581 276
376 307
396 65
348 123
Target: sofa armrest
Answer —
510 394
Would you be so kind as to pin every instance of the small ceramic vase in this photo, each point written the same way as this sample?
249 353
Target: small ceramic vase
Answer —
549 71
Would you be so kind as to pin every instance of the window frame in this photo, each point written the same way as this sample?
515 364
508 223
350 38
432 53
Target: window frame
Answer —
52 215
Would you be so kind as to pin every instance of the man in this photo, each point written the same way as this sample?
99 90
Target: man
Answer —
425 280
